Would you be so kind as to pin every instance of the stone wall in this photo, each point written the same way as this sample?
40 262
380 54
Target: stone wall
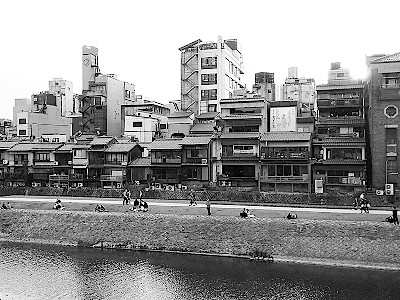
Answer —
362 241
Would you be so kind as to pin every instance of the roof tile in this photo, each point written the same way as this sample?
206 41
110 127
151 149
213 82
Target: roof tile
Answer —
286 136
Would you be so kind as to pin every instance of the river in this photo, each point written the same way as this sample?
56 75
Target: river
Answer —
50 272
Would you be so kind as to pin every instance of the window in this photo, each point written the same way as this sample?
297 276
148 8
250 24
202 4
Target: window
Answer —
42 156
391 136
163 126
55 140
209 63
22 132
207 79
209 94
339 74
391 111
80 153
243 149
212 107
22 121
137 124
391 165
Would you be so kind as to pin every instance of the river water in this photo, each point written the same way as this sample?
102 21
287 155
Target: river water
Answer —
50 272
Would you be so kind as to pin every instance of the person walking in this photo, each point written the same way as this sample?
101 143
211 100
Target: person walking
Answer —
192 198
395 219
208 204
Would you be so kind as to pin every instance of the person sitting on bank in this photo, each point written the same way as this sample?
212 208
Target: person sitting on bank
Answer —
244 213
100 208
58 205
136 204
145 206
6 206
291 216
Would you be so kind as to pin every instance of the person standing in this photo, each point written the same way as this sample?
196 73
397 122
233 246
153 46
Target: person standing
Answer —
208 204
192 196
395 219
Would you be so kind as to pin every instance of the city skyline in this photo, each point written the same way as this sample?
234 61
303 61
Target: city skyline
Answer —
44 41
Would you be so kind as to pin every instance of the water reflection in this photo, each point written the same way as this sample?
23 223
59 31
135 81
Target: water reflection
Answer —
37 272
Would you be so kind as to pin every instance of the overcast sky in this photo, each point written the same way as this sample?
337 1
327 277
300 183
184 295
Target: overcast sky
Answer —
139 40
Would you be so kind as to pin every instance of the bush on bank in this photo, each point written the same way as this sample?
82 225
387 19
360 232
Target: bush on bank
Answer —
213 195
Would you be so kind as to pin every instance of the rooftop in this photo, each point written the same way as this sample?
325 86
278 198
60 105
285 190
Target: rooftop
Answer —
35 147
101 140
286 136
203 127
240 135
7 145
327 87
166 144
121 147
207 115
387 59
141 162
180 114
195 140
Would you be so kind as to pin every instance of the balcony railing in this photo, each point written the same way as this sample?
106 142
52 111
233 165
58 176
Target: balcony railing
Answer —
21 162
111 178
390 86
339 102
283 178
166 160
286 155
116 162
58 178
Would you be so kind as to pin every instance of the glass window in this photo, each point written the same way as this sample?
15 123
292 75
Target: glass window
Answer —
22 121
137 124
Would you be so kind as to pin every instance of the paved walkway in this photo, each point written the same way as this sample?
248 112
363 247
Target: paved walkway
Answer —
184 203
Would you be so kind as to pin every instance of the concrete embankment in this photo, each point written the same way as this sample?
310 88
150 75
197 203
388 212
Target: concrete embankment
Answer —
361 243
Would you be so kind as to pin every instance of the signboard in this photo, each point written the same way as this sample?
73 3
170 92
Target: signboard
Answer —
283 118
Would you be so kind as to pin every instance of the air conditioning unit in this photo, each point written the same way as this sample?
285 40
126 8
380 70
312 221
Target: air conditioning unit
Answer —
70 162
5 162
119 185
80 184
380 192
356 134
204 161
56 163
389 189
124 163
184 187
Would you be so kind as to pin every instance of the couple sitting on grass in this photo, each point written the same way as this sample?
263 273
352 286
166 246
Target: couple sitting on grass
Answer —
57 205
99 208
140 205
245 213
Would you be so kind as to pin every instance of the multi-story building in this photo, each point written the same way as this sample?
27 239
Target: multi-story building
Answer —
196 160
166 160
210 71
340 144
102 97
5 161
301 90
64 90
285 162
145 121
264 85
43 112
383 96
180 123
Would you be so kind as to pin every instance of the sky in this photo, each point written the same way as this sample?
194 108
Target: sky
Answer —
139 40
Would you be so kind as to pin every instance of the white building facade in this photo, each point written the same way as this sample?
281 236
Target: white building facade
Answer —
210 71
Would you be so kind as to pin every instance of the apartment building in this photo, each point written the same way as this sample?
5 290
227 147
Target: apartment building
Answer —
339 145
383 95
102 97
210 71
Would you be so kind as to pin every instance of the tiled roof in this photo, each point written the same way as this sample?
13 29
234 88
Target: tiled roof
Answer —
340 141
207 115
65 148
340 121
327 87
388 58
240 135
7 145
121 147
203 127
35 146
195 140
166 144
141 162
101 140
180 114
286 136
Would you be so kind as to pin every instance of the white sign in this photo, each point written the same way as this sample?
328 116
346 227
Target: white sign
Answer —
283 118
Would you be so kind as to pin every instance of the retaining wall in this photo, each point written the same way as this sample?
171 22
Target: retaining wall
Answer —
360 242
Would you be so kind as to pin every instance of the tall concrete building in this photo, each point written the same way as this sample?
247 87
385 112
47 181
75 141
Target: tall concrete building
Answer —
264 85
383 96
298 89
102 97
210 71
64 90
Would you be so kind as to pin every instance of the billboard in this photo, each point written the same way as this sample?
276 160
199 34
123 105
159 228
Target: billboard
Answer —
283 118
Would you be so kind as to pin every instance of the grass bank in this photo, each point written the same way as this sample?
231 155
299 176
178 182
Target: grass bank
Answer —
366 243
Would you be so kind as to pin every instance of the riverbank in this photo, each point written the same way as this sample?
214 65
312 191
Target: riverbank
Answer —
328 242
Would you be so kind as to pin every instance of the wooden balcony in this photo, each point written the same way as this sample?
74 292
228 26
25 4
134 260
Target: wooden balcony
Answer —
112 178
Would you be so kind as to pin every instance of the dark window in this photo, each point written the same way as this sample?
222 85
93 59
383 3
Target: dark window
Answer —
163 126
137 124
392 165
391 136
22 121
209 63
22 132
208 79
42 156
209 94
